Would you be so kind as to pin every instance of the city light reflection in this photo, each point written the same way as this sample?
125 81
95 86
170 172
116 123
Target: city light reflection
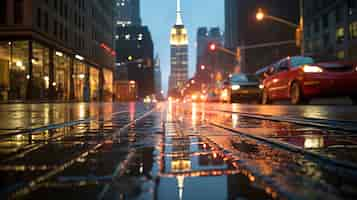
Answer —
194 114
314 142
235 119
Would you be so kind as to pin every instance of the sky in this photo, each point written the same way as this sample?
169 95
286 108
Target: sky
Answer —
160 16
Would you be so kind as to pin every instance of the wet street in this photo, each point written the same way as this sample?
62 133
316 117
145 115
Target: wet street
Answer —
173 150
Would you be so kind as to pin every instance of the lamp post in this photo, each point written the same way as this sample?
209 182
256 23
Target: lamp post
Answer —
299 27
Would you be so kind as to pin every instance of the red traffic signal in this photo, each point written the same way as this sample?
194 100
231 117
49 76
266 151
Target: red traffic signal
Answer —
212 47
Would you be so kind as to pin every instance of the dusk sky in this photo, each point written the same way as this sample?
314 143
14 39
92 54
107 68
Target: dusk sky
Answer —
160 16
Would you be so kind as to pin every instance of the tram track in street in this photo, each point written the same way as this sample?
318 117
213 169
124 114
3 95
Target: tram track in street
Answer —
341 125
278 140
20 189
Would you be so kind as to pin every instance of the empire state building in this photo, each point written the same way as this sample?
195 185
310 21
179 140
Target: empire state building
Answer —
179 52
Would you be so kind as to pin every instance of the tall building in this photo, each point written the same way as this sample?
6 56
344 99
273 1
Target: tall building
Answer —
157 76
243 29
56 50
179 52
330 29
128 13
135 49
231 24
209 62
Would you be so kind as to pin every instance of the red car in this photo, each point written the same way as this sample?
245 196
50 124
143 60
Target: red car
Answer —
300 79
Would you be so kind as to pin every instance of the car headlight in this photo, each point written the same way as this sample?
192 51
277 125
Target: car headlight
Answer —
312 69
235 87
261 86
356 68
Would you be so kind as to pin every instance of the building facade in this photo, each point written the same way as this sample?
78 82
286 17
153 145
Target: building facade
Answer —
128 13
330 29
249 31
210 63
231 24
179 52
157 76
135 49
56 50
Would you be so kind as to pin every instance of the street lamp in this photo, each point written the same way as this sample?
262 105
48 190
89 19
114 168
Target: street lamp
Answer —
260 15
299 27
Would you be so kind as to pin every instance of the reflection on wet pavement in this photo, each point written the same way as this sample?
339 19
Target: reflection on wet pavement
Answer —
126 152
334 144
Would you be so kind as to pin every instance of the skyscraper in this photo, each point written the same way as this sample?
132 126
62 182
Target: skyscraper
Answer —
157 76
231 24
135 53
179 52
128 12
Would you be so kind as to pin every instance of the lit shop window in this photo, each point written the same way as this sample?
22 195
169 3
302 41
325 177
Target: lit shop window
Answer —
353 30
340 35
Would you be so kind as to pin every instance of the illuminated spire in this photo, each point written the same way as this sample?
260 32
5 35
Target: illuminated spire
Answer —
178 14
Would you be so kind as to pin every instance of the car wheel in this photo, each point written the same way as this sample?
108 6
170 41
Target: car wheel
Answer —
296 96
265 97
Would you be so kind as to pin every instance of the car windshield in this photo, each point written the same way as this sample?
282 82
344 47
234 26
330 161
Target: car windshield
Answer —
299 61
244 78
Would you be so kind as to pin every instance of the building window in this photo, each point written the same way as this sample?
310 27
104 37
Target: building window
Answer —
94 83
326 39
340 35
3 7
40 71
62 75
19 11
79 76
39 17
14 68
340 55
61 31
66 11
46 22
338 15
61 7
55 28
352 4
317 26
325 21
353 30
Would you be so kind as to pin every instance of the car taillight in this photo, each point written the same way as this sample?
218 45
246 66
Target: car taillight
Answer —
312 69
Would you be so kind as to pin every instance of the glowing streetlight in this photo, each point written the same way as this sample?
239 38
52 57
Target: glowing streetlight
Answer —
260 15
203 67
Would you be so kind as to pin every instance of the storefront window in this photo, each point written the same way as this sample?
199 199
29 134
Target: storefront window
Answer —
108 84
19 70
5 48
40 71
62 76
94 83
79 76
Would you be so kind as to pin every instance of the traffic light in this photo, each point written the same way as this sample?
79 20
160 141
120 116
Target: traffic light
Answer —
212 47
